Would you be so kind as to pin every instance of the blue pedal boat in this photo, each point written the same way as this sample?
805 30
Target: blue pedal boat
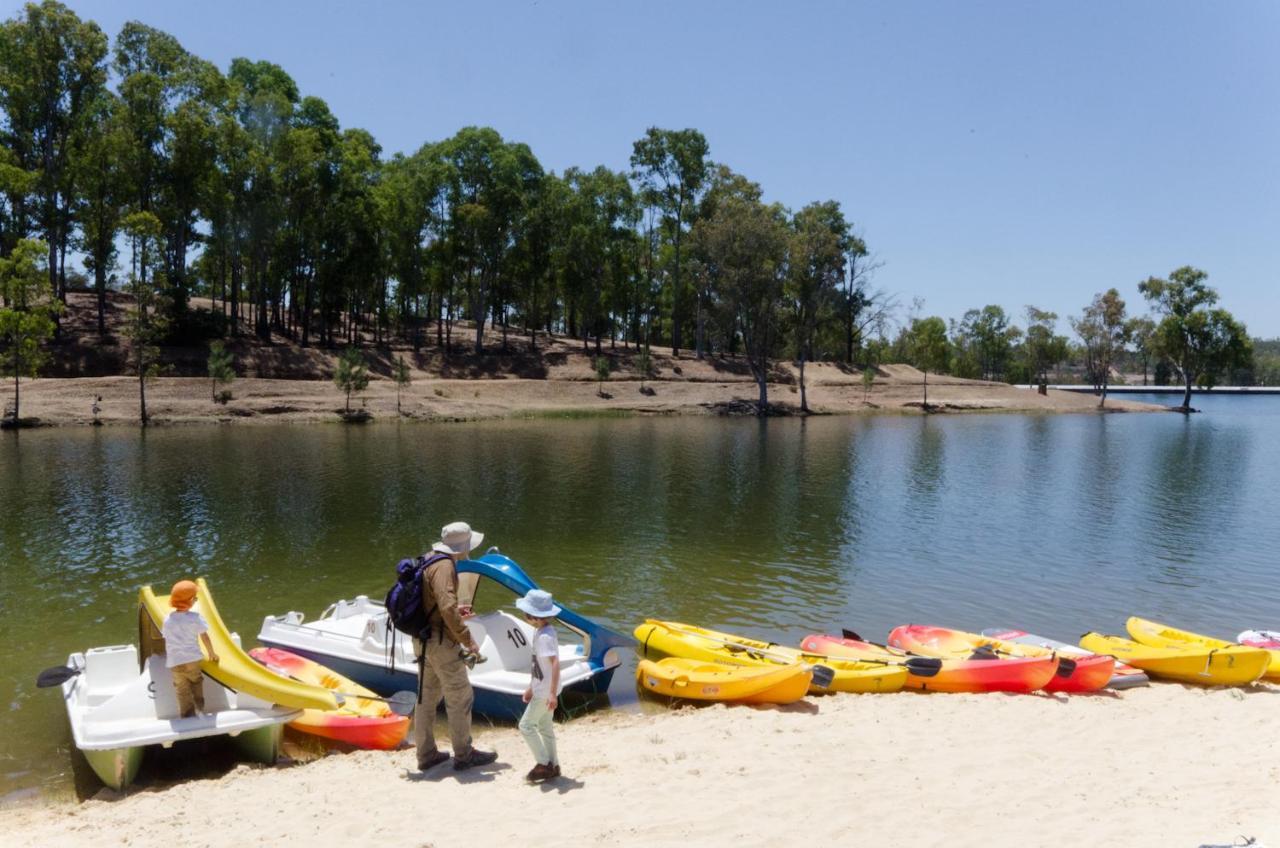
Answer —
351 637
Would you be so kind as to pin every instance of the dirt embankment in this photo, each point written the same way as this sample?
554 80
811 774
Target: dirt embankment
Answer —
282 380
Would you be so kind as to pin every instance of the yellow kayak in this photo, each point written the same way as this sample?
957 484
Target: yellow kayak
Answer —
1163 636
672 639
677 677
1187 664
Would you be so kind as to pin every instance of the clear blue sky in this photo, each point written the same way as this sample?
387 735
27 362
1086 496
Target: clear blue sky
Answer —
1006 153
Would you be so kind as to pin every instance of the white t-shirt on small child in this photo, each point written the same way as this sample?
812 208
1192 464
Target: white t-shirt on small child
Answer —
182 631
544 647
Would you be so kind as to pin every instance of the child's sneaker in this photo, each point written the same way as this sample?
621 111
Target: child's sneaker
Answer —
539 773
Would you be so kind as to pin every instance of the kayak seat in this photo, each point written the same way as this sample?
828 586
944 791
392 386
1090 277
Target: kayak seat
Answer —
108 670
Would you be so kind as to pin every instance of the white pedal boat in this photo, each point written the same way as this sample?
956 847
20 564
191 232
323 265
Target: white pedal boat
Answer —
116 711
351 637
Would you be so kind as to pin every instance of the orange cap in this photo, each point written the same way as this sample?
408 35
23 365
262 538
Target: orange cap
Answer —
183 595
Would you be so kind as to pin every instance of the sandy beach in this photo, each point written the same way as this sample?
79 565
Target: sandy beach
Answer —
1163 766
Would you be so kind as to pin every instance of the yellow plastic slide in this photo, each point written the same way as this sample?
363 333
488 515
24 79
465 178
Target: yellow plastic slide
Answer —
235 669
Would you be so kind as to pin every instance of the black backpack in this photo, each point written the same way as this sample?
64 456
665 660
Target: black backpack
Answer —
406 611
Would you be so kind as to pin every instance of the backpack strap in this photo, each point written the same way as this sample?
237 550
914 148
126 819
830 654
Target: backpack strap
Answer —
429 562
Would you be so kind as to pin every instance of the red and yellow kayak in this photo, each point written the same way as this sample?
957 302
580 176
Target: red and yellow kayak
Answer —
361 721
956 675
1019 673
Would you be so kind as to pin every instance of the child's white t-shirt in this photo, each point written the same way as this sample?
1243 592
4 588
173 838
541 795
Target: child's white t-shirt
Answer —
182 631
544 647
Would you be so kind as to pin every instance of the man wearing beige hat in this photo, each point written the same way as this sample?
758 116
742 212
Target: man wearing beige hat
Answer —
442 666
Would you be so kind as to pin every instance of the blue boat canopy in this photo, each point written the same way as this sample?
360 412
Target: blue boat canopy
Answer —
504 571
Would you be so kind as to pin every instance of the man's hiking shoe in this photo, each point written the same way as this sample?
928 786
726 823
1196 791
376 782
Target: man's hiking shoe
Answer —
474 758
432 760
539 773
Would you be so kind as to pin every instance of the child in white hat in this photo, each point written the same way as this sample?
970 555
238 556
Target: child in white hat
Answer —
536 724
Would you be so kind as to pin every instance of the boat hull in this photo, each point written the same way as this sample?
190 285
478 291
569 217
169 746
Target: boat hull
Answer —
658 639
115 767
1022 674
360 721
955 676
1163 636
1198 666
1122 677
675 677
502 706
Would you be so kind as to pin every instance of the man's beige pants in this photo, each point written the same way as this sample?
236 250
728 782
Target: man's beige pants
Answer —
443 674
188 684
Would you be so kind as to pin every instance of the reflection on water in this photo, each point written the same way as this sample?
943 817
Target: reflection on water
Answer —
778 528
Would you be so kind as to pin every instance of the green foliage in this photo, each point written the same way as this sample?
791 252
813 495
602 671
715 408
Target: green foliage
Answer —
1199 341
1042 349
983 343
27 312
147 323
815 268
868 380
222 370
671 167
929 348
603 368
1103 330
351 375
747 242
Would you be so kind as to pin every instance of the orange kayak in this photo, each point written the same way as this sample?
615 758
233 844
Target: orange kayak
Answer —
1018 673
363 721
956 675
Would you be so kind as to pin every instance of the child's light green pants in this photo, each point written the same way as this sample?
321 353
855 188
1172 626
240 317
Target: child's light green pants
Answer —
538 729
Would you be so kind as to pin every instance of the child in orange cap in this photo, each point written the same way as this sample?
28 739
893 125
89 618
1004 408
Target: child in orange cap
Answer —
183 631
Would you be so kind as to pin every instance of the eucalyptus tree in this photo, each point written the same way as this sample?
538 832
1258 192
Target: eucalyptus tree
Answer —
1103 332
27 311
747 242
984 339
406 205
264 99
1042 347
148 322
491 182
819 242
104 192
52 69
541 251
671 167
169 99
929 349
1200 341
1141 332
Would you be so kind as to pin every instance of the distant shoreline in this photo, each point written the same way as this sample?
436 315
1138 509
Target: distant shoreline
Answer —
68 401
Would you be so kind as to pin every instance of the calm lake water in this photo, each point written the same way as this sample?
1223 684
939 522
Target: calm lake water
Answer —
1057 524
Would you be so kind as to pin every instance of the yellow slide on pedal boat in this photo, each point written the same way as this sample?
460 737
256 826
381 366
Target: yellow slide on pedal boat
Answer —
235 669
1187 664
672 639
677 677
1163 636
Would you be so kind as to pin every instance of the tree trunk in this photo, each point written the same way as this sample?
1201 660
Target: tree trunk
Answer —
926 390
142 391
1186 395
804 402
17 363
762 405
701 326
